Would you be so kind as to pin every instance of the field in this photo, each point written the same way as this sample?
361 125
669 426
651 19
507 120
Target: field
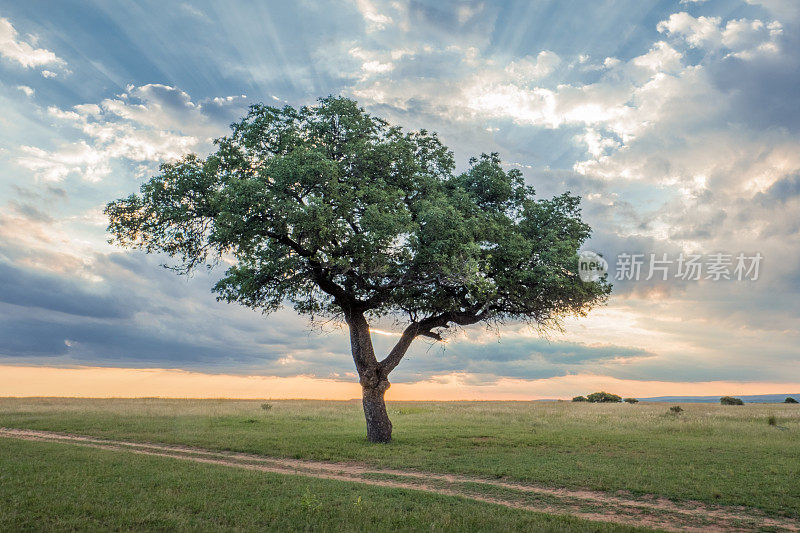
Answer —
451 466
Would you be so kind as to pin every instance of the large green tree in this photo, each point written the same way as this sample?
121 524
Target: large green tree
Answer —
345 216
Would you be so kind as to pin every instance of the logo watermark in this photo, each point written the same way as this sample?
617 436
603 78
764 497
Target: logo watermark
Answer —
687 267
591 266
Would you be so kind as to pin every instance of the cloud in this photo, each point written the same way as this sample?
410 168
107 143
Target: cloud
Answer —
374 19
529 68
25 89
46 291
24 53
487 358
781 191
79 158
741 37
144 125
685 142
784 9
681 135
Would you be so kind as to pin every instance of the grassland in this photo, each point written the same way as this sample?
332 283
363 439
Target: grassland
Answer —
53 487
711 453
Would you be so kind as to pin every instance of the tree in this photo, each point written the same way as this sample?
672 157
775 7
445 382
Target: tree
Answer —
579 399
603 397
630 400
789 399
730 400
347 217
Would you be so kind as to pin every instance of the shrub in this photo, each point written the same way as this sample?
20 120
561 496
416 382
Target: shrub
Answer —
580 399
631 400
772 421
266 406
676 409
730 400
603 397
789 400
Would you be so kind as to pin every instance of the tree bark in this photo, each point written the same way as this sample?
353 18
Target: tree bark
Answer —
373 380
379 427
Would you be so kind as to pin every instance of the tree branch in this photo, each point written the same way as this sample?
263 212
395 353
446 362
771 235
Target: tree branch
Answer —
327 285
396 355
425 328
431 334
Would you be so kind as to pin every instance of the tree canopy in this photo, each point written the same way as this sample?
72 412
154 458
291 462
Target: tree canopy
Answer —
343 215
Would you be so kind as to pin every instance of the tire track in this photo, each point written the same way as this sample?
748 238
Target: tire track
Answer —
652 512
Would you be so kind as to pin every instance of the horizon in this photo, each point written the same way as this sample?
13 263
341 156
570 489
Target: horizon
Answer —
161 384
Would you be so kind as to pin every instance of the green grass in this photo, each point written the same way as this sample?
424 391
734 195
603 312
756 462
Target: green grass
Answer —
713 453
47 487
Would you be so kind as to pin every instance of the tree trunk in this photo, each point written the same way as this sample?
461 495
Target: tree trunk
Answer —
373 380
379 427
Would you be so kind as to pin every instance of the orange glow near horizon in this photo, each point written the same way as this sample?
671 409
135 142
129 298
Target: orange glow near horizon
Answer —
98 382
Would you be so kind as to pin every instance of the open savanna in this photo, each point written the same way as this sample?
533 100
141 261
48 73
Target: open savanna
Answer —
718 455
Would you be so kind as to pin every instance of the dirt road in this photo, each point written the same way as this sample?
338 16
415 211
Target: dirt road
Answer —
651 511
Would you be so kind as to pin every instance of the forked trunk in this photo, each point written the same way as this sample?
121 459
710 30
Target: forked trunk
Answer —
372 377
379 427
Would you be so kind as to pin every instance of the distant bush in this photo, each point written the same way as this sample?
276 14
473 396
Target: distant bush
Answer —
631 400
676 409
603 397
730 400
580 399
789 400
266 406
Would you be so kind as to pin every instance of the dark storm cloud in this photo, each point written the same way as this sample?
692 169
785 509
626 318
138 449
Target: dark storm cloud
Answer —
27 288
781 191
524 358
141 315
46 337
764 92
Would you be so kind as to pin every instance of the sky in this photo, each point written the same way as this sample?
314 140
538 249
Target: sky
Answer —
677 122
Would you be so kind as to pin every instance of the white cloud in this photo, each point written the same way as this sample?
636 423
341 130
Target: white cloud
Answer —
597 144
467 12
27 90
485 88
372 62
659 124
24 53
700 31
748 38
529 68
742 37
375 20
628 99
79 158
661 58
145 125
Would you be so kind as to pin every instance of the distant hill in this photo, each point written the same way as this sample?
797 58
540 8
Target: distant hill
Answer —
755 398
